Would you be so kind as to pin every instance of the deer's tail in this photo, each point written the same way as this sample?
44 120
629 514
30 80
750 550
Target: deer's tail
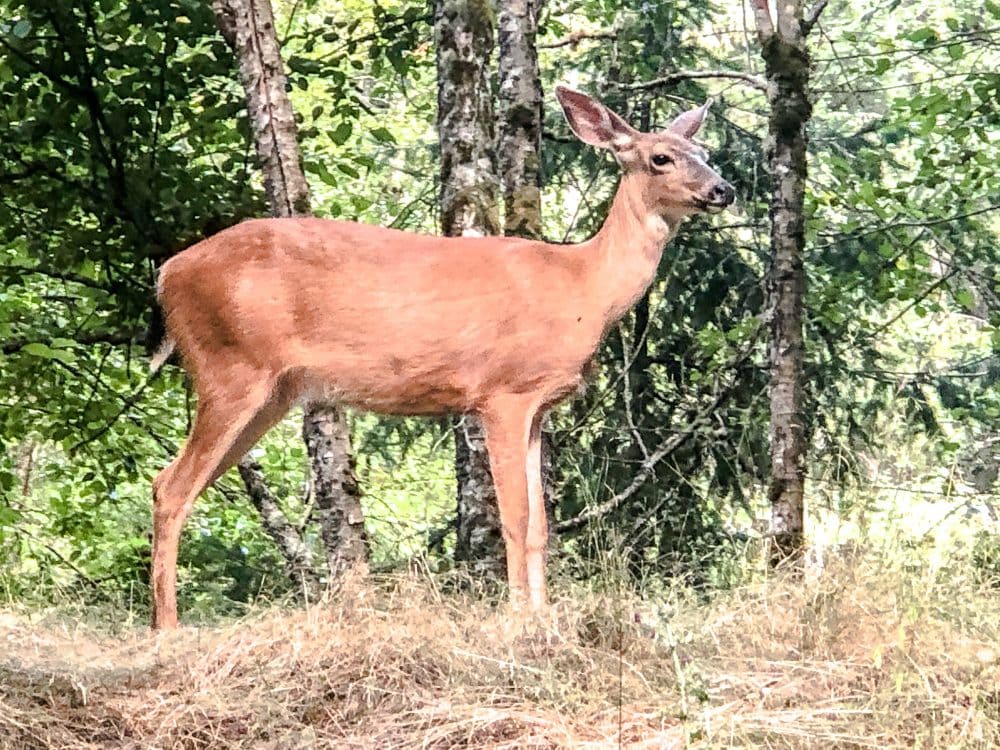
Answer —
163 352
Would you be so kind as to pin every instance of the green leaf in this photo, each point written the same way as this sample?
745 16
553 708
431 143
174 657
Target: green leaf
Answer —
382 135
922 34
44 351
965 299
398 61
21 28
324 174
348 170
8 516
341 133
38 350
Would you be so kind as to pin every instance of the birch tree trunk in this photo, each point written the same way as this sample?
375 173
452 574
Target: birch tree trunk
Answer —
786 59
463 34
520 154
248 27
520 117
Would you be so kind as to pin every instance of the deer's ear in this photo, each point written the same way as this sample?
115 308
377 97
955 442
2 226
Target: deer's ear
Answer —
690 122
592 122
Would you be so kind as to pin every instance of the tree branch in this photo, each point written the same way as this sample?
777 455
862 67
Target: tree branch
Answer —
84 90
115 338
574 38
671 444
386 32
299 562
59 556
885 227
127 403
915 301
684 75
68 276
813 16
40 67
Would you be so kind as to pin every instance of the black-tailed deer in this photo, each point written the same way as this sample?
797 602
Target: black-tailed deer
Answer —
276 311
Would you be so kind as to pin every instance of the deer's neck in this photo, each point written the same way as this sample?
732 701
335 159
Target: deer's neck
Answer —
627 250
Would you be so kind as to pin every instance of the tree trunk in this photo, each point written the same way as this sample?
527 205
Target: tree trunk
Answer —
248 27
463 34
520 118
520 156
786 59
335 491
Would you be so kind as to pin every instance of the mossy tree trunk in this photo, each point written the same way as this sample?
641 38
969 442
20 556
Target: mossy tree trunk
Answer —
787 63
464 38
248 27
520 117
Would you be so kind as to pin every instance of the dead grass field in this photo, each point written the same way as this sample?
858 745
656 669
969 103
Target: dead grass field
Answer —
854 657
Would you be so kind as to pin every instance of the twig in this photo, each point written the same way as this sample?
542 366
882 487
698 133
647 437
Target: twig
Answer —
59 556
670 445
114 338
685 75
127 404
897 224
576 37
813 16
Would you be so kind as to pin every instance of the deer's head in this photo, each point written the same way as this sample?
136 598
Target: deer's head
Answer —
670 168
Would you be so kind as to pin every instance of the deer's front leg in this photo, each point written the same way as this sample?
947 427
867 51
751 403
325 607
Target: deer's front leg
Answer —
536 542
508 425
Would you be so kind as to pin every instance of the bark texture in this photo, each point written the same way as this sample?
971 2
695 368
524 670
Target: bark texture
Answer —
786 58
520 117
248 27
463 35
335 491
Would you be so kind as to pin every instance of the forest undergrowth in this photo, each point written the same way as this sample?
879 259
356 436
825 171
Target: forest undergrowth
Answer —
866 652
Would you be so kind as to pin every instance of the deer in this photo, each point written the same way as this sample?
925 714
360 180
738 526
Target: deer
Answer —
273 312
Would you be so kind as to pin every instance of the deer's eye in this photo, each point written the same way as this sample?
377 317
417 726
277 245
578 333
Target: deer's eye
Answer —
661 160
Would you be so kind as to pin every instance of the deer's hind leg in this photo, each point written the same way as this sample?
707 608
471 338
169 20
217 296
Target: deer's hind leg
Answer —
226 426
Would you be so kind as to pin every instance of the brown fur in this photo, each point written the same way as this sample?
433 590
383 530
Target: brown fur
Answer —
275 311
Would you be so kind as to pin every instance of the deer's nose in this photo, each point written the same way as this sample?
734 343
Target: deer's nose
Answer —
722 193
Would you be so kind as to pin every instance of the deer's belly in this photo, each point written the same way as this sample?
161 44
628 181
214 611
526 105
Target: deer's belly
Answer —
430 386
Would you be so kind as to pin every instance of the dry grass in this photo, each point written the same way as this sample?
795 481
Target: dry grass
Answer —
856 657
